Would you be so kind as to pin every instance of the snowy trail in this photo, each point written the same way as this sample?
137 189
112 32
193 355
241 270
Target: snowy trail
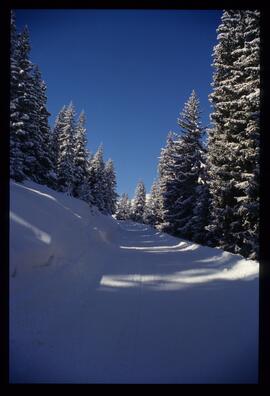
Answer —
178 338
157 310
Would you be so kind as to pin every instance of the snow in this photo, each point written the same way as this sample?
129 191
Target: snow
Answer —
95 300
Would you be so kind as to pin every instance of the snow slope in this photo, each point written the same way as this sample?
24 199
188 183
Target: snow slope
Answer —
93 300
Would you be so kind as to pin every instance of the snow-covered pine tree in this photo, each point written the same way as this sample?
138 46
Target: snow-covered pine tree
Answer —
56 132
17 132
110 187
223 166
138 206
44 170
85 189
152 213
200 217
96 180
179 172
29 119
23 120
248 65
65 160
123 209
168 184
234 137
80 155
188 167
29 129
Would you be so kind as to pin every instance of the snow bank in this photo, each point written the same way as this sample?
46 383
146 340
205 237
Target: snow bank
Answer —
48 228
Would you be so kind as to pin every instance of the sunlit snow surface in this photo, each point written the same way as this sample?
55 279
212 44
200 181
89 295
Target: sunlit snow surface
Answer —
241 270
42 236
93 300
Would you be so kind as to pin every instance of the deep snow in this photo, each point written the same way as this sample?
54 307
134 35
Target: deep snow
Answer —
96 300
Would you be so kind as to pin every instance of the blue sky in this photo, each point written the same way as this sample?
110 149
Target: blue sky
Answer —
130 70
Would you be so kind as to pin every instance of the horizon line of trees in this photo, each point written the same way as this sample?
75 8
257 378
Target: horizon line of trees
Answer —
57 157
209 193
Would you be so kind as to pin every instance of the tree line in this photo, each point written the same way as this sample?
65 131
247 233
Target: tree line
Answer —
209 192
58 156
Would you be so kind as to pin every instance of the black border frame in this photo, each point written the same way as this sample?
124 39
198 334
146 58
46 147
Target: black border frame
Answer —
264 282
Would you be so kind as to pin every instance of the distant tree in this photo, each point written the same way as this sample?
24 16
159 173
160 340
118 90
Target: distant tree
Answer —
85 192
152 213
123 210
139 203
80 155
56 132
96 180
167 184
110 187
66 155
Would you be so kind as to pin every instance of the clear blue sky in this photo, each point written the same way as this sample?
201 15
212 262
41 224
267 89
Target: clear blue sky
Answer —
130 70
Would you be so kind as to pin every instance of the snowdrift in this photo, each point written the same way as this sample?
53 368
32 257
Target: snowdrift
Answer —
48 228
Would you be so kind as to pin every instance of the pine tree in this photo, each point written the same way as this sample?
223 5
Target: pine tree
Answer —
31 145
29 129
248 65
44 171
200 216
58 127
222 140
85 188
23 125
65 160
110 187
152 213
234 137
139 203
80 155
123 210
167 184
36 152
96 180
16 130
179 172
188 166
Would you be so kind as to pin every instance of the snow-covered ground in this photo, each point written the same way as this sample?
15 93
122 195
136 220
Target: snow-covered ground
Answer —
94 300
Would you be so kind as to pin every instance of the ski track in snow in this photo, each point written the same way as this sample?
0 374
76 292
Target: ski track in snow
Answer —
120 302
